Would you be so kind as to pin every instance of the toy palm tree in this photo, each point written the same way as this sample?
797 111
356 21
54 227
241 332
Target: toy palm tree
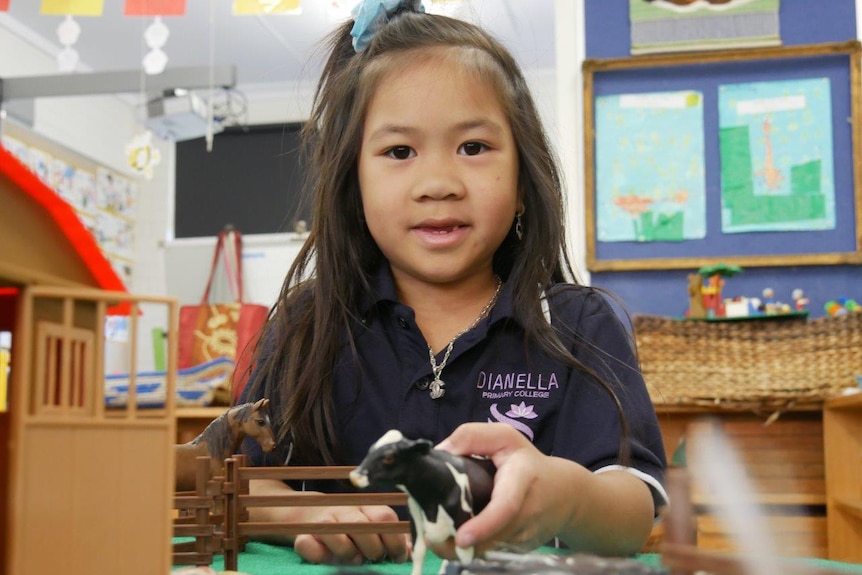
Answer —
714 276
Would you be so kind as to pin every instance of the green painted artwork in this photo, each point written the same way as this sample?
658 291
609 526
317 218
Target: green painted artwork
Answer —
775 144
650 183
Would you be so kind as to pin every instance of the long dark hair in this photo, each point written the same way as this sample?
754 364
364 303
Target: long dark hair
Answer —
331 273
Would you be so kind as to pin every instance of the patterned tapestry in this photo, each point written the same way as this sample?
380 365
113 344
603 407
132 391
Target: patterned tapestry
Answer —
690 25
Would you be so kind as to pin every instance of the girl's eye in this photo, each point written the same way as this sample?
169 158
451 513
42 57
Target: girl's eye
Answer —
401 152
472 148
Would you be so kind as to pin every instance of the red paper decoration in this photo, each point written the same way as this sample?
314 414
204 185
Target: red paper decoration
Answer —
154 8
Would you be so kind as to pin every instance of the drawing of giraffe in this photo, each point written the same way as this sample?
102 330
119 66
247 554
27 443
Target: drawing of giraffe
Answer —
771 175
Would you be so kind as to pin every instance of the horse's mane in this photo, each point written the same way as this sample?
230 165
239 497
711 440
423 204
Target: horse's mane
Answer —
219 434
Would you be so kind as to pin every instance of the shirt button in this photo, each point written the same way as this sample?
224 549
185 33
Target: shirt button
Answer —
422 384
403 322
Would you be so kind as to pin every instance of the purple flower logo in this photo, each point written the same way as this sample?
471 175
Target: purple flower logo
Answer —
521 410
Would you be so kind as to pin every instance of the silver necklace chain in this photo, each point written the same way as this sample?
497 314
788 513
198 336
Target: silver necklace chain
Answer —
437 385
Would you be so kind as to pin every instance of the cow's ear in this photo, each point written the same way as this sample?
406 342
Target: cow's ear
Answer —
421 447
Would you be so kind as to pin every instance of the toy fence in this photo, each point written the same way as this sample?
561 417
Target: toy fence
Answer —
764 363
237 502
216 513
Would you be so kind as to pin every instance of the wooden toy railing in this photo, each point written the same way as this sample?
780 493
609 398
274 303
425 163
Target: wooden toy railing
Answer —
200 515
237 501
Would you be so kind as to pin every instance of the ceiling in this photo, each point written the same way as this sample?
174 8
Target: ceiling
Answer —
266 51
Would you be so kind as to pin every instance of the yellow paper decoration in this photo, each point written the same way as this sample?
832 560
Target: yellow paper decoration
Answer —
74 7
257 7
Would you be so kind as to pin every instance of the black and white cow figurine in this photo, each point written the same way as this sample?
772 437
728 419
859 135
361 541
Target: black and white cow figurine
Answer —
443 490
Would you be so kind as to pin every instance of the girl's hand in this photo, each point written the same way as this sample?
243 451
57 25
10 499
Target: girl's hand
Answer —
537 497
351 549
341 549
528 506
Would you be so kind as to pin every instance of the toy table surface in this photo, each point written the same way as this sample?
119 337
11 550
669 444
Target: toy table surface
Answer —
264 559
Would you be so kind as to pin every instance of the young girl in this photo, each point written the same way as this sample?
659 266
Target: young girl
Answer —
435 296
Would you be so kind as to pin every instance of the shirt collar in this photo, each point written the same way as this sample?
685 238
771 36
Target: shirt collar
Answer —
383 291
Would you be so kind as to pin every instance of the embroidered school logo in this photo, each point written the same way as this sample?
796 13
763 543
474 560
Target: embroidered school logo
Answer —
516 412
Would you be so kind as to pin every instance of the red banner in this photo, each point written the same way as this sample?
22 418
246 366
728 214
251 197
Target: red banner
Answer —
4 5
154 8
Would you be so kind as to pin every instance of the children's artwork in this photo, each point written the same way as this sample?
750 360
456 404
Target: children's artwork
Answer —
84 184
17 148
650 183
115 234
60 179
685 25
40 163
775 141
114 193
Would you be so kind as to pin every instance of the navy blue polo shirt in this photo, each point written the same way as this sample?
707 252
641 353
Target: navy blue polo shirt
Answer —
493 375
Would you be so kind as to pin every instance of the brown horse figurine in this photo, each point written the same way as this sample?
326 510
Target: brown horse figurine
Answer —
222 438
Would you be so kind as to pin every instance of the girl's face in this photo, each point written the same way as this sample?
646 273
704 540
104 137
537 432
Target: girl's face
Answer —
438 172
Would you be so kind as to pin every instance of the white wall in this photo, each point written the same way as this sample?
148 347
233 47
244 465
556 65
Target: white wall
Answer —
99 127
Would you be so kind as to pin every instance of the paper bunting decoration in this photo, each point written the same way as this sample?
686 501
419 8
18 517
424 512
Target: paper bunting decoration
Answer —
266 7
4 5
155 8
68 32
73 7
141 154
156 36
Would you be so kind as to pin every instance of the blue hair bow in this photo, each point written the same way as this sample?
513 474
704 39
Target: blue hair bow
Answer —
371 15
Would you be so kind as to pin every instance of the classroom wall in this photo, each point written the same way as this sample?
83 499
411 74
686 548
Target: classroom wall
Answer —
664 292
98 127
266 257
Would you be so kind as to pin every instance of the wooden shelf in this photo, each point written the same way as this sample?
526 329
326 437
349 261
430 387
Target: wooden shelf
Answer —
853 506
789 499
193 420
852 401
200 412
842 445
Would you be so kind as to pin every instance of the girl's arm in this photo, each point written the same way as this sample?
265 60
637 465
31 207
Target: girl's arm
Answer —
537 498
341 549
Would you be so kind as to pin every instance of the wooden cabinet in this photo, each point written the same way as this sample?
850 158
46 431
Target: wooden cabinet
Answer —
842 444
784 463
192 420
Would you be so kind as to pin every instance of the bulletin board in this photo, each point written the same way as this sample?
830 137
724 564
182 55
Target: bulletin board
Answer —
104 199
706 74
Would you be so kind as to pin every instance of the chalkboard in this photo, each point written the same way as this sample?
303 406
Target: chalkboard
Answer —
252 179
705 73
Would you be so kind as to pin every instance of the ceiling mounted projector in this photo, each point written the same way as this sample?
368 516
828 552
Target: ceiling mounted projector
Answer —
179 115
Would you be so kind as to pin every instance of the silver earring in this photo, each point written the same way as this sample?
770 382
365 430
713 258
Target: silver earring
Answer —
519 226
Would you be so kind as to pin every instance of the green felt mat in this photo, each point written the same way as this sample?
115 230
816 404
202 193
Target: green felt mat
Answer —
264 559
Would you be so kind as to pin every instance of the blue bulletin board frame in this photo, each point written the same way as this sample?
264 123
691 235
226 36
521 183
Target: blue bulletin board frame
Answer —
705 72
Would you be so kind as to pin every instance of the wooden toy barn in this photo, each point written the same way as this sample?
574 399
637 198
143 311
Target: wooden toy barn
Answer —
80 483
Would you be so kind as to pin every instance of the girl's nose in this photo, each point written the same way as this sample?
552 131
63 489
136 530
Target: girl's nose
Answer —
439 179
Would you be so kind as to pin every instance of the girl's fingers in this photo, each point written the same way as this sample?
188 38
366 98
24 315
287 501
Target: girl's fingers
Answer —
498 520
394 545
488 439
353 549
312 549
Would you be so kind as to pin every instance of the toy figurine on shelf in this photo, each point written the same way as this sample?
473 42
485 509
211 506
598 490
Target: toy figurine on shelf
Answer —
800 302
711 301
696 309
222 438
841 306
443 490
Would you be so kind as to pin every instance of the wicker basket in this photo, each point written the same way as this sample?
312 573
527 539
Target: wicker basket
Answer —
754 363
